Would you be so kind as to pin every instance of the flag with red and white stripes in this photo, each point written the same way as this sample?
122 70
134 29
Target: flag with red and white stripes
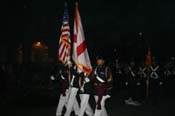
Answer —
64 47
80 54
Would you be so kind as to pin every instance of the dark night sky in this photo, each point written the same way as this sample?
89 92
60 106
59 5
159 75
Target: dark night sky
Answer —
111 22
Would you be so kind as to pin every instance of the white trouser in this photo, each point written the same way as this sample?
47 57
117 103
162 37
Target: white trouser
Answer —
75 104
76 107
85 106
62 103
103 111
71 101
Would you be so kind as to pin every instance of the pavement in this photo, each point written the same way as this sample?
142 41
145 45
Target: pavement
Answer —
46 106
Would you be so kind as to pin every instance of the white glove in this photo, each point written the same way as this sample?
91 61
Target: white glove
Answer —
85 74
69 63
52 77
87 80
73 77
82 89
108 96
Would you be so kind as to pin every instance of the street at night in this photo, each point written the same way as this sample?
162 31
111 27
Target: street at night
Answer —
88 58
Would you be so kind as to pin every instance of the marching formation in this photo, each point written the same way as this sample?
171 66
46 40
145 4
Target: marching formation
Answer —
134 78
76 85
77 77
79 81
140 81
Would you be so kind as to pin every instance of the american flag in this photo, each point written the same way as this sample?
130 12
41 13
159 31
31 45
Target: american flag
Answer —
64 47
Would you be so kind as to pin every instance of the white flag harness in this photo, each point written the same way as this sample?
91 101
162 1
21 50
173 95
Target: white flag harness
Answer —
154 74
142 70
132 73
98 77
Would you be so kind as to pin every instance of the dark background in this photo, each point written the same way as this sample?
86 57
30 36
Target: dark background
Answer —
107 25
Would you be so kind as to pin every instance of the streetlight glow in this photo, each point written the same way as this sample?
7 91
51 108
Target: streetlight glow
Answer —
38 44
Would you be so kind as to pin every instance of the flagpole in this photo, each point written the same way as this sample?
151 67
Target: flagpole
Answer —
148 63
147 83
148 77
69 75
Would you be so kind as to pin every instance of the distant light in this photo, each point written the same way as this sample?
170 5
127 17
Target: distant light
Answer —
38 44
140 33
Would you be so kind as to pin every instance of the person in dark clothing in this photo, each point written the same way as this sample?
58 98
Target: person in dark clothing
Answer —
142 77
155 82
86 90
118 75
61 74
64 74
103 84
72 102
132 84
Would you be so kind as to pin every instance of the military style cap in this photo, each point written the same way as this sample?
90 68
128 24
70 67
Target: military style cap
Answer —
100 57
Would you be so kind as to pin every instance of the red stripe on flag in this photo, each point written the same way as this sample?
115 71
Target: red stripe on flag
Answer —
62 51
65 30
64 56
65 35
81 48
59 49
86 69
67 24
59 44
